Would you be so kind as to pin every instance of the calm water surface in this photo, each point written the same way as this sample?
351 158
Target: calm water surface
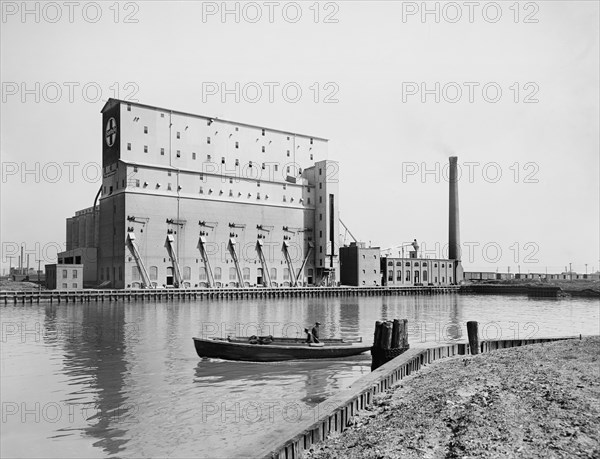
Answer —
123 379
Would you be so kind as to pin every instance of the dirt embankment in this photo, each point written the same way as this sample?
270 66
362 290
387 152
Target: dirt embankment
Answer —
19 286
579 287
538 401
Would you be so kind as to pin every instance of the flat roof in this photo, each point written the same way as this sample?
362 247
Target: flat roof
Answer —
112 101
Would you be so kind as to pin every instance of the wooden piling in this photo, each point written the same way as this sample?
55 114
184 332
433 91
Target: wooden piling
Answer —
472 331
386 336
396 334
390 340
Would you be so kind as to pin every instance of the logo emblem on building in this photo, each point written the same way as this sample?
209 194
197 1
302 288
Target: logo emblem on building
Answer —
111 132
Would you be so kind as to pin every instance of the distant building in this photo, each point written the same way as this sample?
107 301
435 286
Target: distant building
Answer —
64 277
360 265
420 271
564 276
86 256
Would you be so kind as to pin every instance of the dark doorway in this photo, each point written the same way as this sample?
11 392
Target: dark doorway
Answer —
170 276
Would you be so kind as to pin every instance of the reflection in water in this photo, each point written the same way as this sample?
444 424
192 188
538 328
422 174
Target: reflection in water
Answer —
139 389
94 352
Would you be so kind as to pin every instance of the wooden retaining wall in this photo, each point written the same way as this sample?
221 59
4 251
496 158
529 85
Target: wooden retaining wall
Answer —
88 295
341 407
549 291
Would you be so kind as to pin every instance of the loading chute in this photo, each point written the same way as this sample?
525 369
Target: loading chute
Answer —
263 262
233 253
204 256
173 255
308 252
288 259
138 259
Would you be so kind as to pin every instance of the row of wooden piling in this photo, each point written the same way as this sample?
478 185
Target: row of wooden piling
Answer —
389 341
88 295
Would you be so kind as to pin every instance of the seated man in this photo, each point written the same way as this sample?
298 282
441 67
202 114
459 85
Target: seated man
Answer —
315 332
309 336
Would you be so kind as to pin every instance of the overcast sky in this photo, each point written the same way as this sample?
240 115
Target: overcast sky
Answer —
517 89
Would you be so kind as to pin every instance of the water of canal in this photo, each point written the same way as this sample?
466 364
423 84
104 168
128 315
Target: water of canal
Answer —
123 379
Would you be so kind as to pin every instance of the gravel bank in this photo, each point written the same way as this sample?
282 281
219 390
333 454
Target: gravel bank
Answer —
539 401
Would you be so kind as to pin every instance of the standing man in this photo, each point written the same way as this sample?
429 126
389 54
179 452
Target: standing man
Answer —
315 332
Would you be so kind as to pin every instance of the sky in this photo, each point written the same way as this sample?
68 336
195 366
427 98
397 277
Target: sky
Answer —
510 88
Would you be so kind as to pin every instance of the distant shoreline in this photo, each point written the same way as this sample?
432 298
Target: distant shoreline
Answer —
579 288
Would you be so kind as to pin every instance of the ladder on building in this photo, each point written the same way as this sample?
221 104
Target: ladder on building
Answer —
308 252
288 259
138 259
263 262
207 267
236 261
173 255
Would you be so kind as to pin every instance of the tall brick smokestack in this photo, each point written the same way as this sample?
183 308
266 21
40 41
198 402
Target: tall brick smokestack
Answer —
453 227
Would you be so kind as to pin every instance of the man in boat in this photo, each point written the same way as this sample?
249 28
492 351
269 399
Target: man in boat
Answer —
315 332
309 336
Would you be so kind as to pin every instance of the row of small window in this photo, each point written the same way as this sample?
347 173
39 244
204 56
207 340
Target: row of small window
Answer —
65 274
138 184
178 153
231 180
407 277
74 285
208 123
416 263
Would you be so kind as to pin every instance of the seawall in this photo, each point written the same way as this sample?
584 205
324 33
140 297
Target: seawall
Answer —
336 411
170 294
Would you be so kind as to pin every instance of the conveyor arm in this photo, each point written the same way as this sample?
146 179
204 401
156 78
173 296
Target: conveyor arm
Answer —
138 259
173 255
263 262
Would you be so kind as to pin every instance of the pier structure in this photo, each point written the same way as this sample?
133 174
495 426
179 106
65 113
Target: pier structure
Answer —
152 295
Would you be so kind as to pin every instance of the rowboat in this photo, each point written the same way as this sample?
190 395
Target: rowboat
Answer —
270 349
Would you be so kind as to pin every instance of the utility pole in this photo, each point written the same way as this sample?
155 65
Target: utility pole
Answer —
586 269
38 276
570 272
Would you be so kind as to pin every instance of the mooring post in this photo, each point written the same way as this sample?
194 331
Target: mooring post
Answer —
396 334
472 331
390 340
377 334
386 336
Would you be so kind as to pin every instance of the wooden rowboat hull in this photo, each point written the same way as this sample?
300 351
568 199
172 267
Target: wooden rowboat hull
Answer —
222 349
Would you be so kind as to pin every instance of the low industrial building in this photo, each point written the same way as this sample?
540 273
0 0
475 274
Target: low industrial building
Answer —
420 271
360 265
64 277
85 256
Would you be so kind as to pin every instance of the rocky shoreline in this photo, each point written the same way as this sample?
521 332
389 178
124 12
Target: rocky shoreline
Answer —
536 401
